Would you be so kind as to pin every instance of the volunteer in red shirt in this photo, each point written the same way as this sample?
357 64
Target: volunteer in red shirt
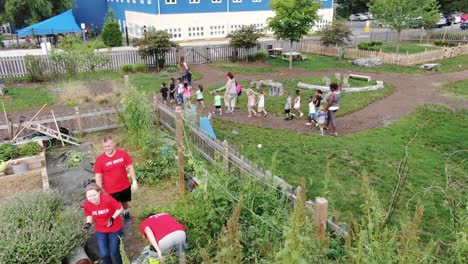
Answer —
104 211
111 169
165 234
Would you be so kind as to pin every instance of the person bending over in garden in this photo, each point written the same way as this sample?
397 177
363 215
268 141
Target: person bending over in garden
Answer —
230 95
110 170
333 104
165 234
104 211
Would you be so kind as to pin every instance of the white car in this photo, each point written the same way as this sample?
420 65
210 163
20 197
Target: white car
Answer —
358 17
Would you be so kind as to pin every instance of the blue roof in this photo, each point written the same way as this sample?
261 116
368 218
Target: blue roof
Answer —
63 23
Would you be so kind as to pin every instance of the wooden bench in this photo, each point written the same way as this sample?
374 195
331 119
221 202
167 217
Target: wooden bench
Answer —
357 76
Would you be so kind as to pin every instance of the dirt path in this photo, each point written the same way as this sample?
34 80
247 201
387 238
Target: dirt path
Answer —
411 92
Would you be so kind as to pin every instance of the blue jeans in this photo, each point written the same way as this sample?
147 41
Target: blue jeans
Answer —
180 97
108 244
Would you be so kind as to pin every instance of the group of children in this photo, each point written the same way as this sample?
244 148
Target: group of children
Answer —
317 114
182 93
251 102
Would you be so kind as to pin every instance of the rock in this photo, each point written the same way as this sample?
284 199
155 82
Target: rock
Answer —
368 62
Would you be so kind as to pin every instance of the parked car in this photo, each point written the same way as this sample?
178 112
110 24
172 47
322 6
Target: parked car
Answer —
358 17
449 20
464 25
369 15
464 17
441 22
456 18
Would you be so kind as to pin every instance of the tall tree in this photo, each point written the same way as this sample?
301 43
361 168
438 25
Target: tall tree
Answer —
293 19
21 13
336 34
155 43
399 15
111 34
246 37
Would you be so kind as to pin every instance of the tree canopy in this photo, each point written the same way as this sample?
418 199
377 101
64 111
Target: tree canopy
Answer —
155 43
336 34
111 34
21 13
293 19
399 15
246 37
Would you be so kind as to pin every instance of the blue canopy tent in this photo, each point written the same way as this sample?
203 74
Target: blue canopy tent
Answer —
63 23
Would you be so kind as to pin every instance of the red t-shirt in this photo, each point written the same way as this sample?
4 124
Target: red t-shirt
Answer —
162 225
114 170
102 212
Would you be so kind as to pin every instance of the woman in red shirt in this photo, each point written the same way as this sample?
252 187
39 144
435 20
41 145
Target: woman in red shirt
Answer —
104 211
165 234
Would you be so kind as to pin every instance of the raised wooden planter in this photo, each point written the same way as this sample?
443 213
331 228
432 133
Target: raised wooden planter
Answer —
34 178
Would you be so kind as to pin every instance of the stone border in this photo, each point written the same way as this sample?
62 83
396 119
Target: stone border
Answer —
379 86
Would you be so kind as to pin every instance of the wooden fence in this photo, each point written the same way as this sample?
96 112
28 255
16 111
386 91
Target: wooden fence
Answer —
390 58
76 120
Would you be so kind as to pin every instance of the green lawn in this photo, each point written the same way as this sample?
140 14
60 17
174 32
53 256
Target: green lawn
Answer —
27 97
378 152
237 67
457 90
405 47
323 63
350 102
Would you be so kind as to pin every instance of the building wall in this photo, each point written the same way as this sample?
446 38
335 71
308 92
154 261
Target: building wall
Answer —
90 12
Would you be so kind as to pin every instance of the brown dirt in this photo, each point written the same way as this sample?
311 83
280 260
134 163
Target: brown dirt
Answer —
410 93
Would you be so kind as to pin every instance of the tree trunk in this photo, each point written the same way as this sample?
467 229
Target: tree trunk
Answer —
398 42
290 54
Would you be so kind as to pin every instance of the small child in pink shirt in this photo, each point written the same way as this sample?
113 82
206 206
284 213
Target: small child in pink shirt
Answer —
251 102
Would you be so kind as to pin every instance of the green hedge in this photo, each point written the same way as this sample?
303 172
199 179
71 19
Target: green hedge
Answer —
445 43
374 45
37 228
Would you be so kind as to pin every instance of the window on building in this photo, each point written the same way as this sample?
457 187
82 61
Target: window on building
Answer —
128 1
237 1
194 1
142 1
216 1
171 2
134 1
256 1
149 2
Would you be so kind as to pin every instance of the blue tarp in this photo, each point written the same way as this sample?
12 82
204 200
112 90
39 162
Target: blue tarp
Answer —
63 23
205 125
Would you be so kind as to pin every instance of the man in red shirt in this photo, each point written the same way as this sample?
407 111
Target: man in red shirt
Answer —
111 169
165 234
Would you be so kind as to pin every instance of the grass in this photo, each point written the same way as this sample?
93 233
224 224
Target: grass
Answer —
242 67
378 152
27 97
350 102
405 47
323 63
457 90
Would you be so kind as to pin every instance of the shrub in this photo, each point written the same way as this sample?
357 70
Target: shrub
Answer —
261 55
141 67
8 151
363 46
37 228
29 149
36 68
128 68
172 69
370 45
445 43
336 34
111 35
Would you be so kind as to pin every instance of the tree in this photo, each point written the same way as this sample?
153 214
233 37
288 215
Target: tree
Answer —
155 43
399 15
336 34
246 38
111 34
21 13
293 19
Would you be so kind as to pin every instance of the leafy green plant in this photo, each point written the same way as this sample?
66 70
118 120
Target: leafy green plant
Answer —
171 69
261 55
128 68
29 149
245 37
38 228
161 167
73 158
336 34
141 67
155 43
36 68
445 43
8 151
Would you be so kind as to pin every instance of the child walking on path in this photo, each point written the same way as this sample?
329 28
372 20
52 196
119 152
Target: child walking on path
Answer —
311 111
321 118
287 107
199 95
172 90
251 102
186 92
317 100
297 104
261 104
217 103
164 92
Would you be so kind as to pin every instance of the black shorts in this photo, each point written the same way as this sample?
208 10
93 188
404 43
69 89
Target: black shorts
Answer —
287 111
164 98
217 106
123 196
